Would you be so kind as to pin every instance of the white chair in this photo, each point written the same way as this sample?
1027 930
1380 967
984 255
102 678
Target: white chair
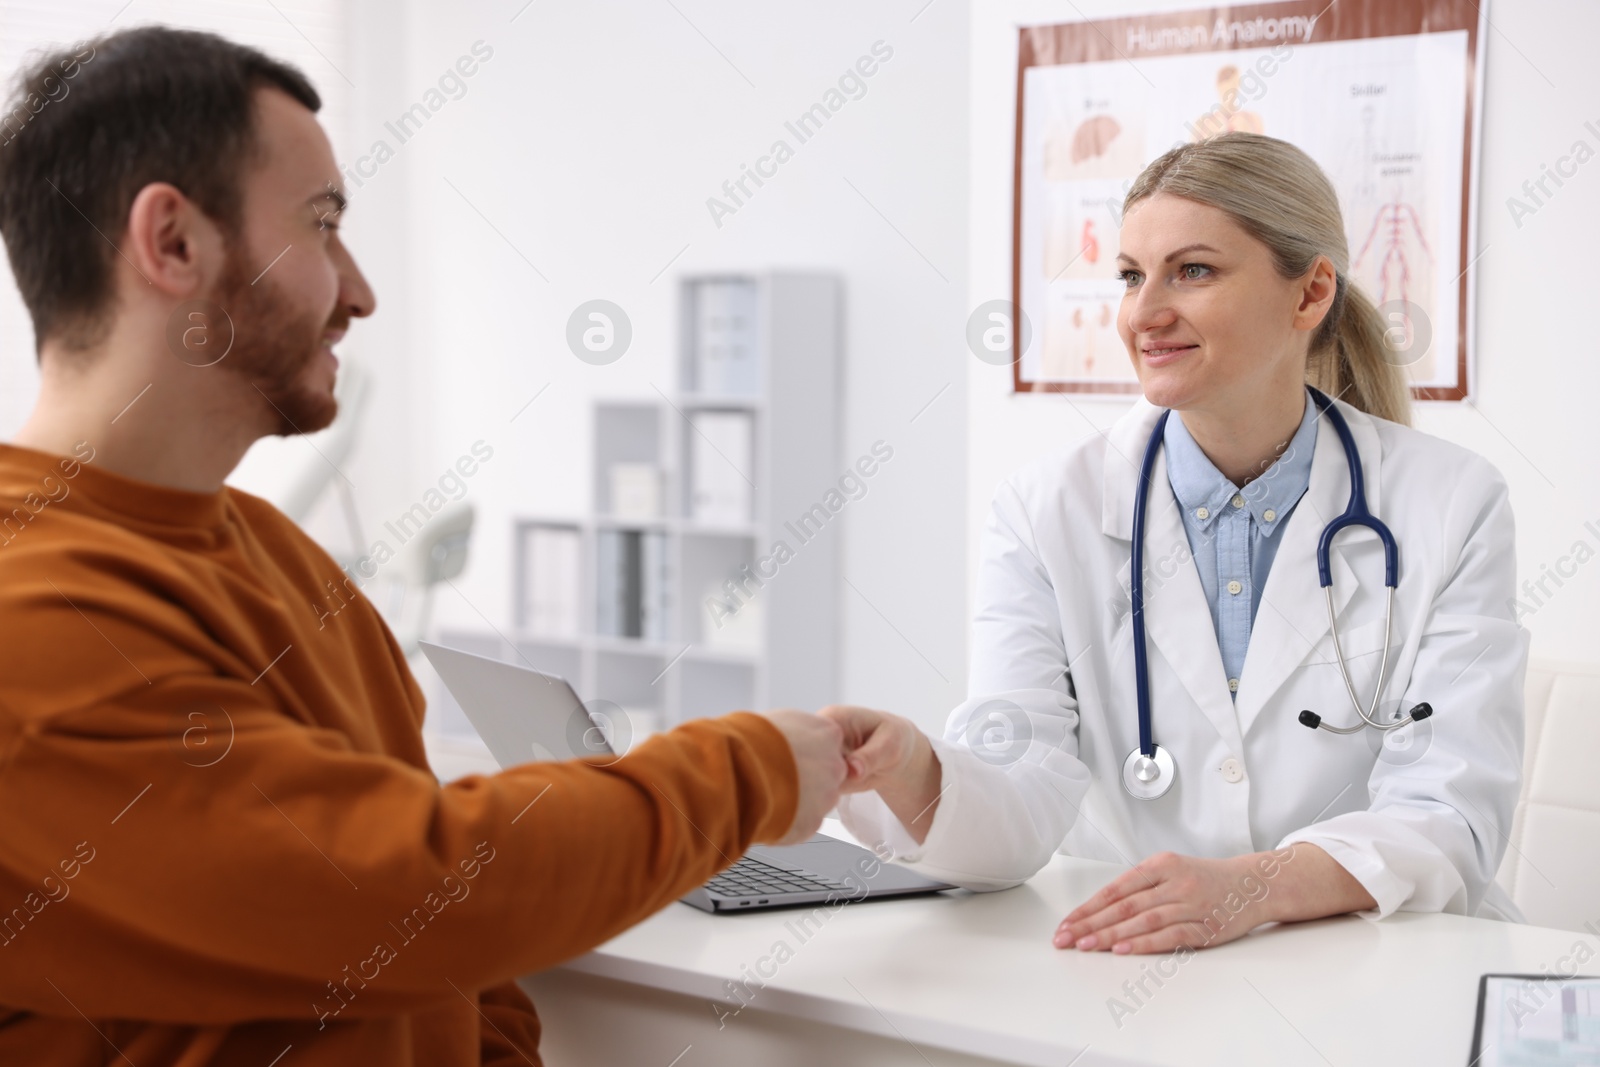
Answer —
437 553
1552 867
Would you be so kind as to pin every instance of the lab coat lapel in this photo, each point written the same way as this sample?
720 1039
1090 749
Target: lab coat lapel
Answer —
1177 618
1293 615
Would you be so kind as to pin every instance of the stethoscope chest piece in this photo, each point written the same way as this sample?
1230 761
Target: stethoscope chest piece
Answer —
1148 777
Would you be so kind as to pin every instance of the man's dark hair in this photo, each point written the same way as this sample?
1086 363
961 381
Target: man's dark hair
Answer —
90 126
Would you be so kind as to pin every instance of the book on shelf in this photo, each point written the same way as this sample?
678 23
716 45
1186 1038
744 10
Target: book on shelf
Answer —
631 584
721 467
653 603
552 595
725 353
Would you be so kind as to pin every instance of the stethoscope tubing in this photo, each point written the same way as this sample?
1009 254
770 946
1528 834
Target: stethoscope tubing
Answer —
1356 512
1141 668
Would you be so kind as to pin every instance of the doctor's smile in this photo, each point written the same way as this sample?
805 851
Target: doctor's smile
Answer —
1156 354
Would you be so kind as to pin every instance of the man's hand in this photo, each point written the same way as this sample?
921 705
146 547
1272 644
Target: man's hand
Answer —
891 755
817 746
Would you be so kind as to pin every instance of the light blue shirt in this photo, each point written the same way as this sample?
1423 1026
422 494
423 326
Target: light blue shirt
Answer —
1234 533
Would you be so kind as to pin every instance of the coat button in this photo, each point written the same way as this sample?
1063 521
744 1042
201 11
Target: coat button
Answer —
1232 771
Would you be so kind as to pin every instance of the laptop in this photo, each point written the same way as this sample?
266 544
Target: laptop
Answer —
525 715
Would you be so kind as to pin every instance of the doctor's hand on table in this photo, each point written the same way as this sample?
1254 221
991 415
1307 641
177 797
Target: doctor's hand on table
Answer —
1166 901
1170 901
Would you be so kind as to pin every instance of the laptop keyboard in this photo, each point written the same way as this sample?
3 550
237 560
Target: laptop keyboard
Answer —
752 878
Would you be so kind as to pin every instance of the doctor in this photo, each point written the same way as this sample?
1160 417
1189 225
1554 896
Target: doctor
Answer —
1237 297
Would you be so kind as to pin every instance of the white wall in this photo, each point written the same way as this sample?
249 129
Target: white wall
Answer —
591 141
1537 375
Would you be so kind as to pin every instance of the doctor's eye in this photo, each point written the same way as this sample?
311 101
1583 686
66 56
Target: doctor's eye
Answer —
1130 278
1188 269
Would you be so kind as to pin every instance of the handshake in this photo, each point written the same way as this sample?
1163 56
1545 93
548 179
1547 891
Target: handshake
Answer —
844 749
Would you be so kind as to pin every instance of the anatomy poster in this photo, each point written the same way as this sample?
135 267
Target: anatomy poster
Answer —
1380 93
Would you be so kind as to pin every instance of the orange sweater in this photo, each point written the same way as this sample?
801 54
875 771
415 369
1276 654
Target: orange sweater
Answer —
219 837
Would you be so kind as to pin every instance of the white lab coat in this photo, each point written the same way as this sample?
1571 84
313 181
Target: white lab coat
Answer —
1423 828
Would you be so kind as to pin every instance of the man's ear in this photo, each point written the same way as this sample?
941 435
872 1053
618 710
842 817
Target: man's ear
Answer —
171 243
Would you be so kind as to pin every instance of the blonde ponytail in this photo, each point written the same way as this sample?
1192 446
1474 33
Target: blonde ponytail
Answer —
1279 195
1350 358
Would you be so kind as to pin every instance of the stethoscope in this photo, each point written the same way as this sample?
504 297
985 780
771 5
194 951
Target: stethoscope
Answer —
1149 772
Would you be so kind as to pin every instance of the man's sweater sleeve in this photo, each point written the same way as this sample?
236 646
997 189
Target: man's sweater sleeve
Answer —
283 873
510 1034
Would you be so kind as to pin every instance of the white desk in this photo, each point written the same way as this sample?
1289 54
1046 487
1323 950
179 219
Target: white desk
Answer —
964 979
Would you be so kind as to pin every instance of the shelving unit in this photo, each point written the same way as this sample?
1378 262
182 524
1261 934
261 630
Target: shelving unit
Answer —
787 607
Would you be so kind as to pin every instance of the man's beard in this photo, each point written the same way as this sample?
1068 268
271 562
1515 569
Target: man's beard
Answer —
273 345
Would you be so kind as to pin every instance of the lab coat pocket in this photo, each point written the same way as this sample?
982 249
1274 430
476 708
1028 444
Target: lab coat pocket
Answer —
1365 639
1363 656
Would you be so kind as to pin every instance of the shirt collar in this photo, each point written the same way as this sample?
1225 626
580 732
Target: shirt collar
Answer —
1203 491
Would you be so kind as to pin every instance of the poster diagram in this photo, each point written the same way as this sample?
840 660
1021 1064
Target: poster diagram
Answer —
1228 113
1382 107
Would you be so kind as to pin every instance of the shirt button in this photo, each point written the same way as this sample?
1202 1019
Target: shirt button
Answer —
1269 514
1202 513
1232 771
1233 685
1234 587
1237 501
